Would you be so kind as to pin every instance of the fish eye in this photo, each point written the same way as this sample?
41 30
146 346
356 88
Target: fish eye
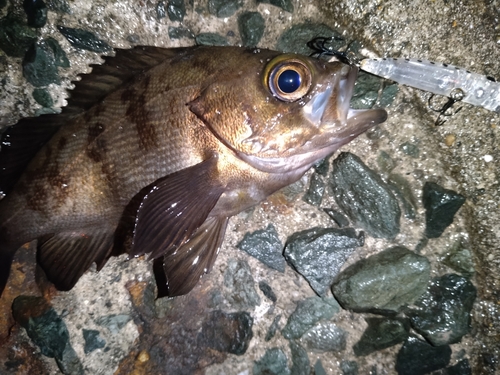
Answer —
289 80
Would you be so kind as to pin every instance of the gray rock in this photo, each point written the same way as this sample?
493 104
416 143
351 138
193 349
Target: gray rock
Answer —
251 26
388 95
42 97
364 197
296 37
381 333
176 10
365 91
36 10
265 245
210 39
442 314
283 4
83 39
267 290
417 357
410 149
441 205
39 65
385 162
15 36
180 32
384 282
340 219
273 362
349 367
460 259
325 337
318 254
300 360
240 287
314 195
224 8
322 166
93 340
275 325
401 187
307 314
318 368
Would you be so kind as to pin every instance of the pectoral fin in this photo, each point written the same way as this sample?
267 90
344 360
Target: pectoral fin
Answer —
181 268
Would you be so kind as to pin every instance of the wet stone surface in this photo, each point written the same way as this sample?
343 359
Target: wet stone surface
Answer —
251 26
36 10
295 38
176 10
340 219
384 282
83 39
417 357
314 195
364 197
224 8
381 333
240 286
283 4
300 360
273 362
15 36
319 253
211 39
39 65
325 337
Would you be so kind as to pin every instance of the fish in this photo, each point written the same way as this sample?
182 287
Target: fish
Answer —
159 147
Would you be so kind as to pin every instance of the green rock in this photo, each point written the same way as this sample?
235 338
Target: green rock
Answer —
307 314
314 195
350 367
401 187
300 360
325 337
39 65
224 8
318 368
210 39
417 357
275 325
410 149
338 217
442 314
273 362
283 4
42 97
383 283
381 333
295 39
388 95
161 9
365 92
93 341
15 36
460 259
179 33
36 10
59 55
267 290
321 167
251 27
83 39
240 286
176 10
385 162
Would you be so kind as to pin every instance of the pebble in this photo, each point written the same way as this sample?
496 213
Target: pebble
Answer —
179 33
410 149
210 39
416 357
240 286
325 337
349 367
176 10
300 360
385 162
39 65
267 291
275 325
450 139
93 340
316 190
15 36
318 368
251 26
42 97
283 4
224 8
273 362
83 39
365 92
36 10
381 333
460 260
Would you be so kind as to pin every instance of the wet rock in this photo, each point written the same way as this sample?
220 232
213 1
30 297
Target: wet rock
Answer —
225 332
365 91
42 97
401 187
83 39
388 95
47 331
210 39
381 333
296 37
224 8
338 217
410 149
39 65
460 259
179 33
267 290
417 357
318 254
161 9
283 4
314 195
318 368
114 322
300 360
265 245
349 367
176 10
364 197
385 162
59 55
240 286
93 340
325 337
441 205
461 368
307 314
442 314
251 27
384 282
322 166
36 10
15 36
275 325
273 362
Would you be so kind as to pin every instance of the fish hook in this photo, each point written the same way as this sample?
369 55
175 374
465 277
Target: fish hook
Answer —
456 95
320 48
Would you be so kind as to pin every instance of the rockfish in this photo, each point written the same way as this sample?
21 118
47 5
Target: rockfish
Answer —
159 147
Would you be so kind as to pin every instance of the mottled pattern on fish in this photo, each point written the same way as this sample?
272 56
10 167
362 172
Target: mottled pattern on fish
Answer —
162 146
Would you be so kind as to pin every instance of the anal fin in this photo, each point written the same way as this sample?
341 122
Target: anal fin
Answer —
65 256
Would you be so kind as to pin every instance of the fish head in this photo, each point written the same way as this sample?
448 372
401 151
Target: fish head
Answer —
283 112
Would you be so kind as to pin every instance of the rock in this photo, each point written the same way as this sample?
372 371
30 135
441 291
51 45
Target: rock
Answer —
349 367
39 65
15 36
307 314
59 55
388 95
36 10
417 357
384 282
441 205
267 290
47 331
265 245
381 333
295 39
318 368
210 39
161 9
338 217
176 10
273 362
461 368
401 187
93 340
283 4
325 337
364 197
314 195
365 91
442 314
385 162
224 8
225 332
410 149
251 26
460 259
42 97
240 286
322 166
179 33
60 6
318 254
83 39
300 360
275 325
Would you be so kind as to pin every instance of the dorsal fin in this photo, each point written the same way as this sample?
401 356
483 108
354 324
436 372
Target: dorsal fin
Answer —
20 142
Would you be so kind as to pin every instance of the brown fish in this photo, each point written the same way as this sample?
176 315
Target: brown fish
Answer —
162 146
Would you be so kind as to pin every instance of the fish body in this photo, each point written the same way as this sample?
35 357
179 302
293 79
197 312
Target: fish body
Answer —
160 147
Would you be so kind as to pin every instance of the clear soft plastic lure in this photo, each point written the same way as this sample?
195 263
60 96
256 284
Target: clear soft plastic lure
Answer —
441 79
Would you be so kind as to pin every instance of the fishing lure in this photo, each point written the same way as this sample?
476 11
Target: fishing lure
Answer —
441 79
